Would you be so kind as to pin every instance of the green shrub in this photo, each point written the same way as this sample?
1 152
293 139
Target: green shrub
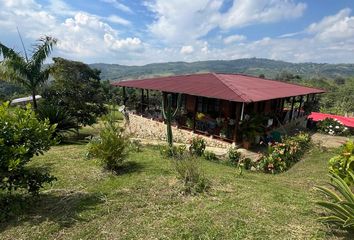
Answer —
210 156
173 152
343 164
197 146
332 127
245 163
57 116
341 204
111 146
22 136
189 171
281 156
233 156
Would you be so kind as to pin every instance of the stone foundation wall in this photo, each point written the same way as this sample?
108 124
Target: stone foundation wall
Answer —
145 128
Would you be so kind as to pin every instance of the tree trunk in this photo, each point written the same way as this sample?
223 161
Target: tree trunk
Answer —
34 100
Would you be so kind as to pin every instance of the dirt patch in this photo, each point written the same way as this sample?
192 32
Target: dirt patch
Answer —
328 141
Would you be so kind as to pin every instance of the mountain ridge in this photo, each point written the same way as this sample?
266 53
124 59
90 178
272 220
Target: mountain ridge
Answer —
251 66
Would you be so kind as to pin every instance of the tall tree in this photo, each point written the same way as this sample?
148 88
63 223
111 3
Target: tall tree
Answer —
27 71
77 88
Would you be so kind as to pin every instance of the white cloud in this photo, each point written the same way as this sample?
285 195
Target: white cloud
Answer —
87 36
118 44
246 12
187 49
185 20
117 4
179 32
81 36
118 20
234 38
339 26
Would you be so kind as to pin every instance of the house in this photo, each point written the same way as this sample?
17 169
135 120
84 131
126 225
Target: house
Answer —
214 104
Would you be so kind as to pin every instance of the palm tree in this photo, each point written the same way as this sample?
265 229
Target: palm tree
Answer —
27 71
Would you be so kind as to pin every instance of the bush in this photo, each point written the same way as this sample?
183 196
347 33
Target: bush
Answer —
22 136
343 164
233 156
189 171
111 146
332 127
341 204
173 152
281 156
57 116
197 146
245 163
210 156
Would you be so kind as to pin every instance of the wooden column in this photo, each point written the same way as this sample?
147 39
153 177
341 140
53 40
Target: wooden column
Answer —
124 96
237 120
195 112
142 101
147 99
292 109
298 113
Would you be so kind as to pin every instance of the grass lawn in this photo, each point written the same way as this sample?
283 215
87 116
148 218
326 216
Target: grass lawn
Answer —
143 202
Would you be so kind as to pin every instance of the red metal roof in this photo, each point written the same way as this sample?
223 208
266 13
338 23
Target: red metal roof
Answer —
232 87
346 121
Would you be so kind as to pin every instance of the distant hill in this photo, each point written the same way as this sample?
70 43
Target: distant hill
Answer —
252 66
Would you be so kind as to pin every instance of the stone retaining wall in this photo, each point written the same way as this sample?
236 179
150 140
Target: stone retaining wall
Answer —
145 128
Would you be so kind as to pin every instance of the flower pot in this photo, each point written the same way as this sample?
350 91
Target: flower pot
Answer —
246 144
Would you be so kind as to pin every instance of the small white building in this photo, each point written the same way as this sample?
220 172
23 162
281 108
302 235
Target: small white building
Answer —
24 100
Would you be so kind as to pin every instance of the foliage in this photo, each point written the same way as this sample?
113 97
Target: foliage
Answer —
28 72
281 156
111 93
112 146
169 116
252 126
210 156
245 163
189 171
77 88
172 152
197 146
233 156
57 116
135 145
22 136
332 127
343 164
341 204
9 90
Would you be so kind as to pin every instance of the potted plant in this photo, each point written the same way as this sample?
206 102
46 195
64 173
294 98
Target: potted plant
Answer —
189 123
251 127
223 132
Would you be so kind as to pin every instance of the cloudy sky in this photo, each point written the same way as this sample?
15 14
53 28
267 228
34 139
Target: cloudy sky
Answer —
136 32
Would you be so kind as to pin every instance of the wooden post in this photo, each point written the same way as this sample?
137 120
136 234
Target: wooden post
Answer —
142 101
124 97
147 99
292 109
237 120
298 113
195 112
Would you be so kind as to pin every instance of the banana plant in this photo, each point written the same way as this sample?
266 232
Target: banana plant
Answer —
168 114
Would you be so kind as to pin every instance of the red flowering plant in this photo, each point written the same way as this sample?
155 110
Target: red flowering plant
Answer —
281 156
